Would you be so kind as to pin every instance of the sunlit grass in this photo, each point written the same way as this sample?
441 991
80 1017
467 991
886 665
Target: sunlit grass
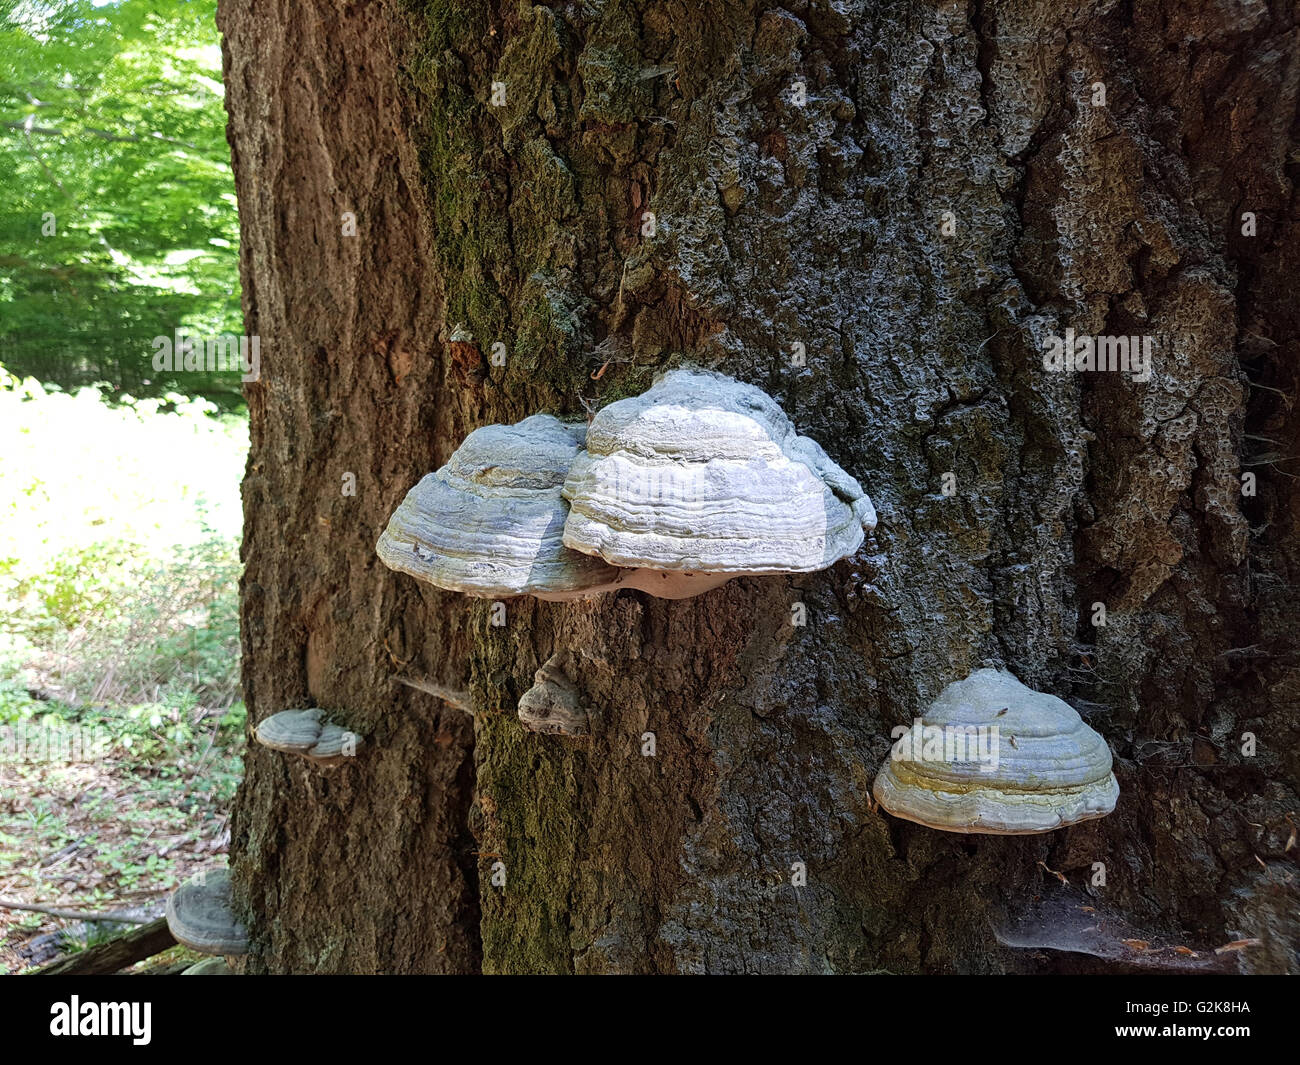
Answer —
119 532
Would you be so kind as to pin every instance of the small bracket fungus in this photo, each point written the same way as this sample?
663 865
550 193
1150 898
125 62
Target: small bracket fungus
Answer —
551 706
993 756
465 357
490 522
701 479
200 916
303 733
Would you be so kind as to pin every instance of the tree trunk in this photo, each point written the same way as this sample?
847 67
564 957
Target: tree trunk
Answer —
915 195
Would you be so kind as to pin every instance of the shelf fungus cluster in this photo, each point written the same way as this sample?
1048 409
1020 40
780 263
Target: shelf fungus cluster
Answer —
673 492
992 756
302 732
200 915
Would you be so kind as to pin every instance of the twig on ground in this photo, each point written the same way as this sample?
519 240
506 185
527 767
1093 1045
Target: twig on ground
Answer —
72 915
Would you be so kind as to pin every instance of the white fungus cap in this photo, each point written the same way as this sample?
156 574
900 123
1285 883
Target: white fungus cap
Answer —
302 732
1037 768
490 522
704 475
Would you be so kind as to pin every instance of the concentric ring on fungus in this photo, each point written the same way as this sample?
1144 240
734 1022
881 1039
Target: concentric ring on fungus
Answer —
999 758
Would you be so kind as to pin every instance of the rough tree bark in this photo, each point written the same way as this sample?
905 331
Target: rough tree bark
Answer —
780 218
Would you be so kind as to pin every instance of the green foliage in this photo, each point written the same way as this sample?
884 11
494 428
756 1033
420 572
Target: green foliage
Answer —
118 576
151 624
163 740
112 133
119 524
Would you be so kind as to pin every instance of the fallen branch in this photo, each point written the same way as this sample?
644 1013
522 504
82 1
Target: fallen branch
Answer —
117 953
72 915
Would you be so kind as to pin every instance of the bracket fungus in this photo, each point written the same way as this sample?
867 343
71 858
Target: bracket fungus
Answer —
200 916
302 732
490 522
552 705
703 478
698 480
992 756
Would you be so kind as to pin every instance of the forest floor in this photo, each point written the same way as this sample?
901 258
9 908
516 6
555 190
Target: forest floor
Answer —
113 833
121 724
